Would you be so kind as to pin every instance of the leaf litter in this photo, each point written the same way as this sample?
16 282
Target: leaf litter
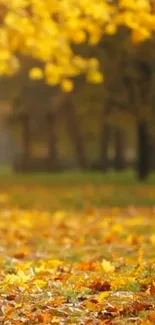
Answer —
92 267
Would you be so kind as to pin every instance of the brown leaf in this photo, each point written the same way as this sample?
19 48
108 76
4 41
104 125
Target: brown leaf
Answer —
152 289
136 307
20 255
152 316
44 318
112 309
100 286
107 313
89 266
11 297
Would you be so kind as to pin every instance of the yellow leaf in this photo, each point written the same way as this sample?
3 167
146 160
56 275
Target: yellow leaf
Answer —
103 295
80 62
67 85
95 77
94 63
5 55
36 73
55 320
60 214
111 29
17 278
40 283
40 268
118 228
79 37
152 239
54 263
90 306
140 35
107 266
135 5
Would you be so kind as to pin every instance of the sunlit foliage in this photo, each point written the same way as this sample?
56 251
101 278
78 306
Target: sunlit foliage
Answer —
47 29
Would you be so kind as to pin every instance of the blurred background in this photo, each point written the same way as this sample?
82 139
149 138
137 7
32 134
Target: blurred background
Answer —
100 127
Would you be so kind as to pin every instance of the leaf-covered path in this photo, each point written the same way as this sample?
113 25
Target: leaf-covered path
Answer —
95 267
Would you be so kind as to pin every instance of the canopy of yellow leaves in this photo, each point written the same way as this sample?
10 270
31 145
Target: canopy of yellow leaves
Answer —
46 30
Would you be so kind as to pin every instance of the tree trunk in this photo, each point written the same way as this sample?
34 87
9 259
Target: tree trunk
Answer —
143 150
104 146
75 134
119 162
52 142
25 123
152 158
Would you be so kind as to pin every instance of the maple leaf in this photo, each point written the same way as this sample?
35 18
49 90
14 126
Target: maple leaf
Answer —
17 278
107 266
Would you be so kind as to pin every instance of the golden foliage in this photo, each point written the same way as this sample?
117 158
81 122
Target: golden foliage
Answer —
46 30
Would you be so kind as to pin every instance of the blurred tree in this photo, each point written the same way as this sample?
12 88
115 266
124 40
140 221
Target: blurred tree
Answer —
74 131
119 159
35 110
143 150
129 82
55 34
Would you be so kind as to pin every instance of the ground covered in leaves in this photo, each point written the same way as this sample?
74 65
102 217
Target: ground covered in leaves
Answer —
96 266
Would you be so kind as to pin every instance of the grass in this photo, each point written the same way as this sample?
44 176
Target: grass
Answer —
72 177
76 190
127 177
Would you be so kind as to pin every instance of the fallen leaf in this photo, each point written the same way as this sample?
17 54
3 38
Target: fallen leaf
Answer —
107 266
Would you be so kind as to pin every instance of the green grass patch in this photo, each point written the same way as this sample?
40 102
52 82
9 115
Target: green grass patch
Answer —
76 190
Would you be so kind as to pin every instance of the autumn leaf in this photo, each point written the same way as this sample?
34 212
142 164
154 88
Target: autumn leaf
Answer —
17 278
102 296
67 85
36 74
107 266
